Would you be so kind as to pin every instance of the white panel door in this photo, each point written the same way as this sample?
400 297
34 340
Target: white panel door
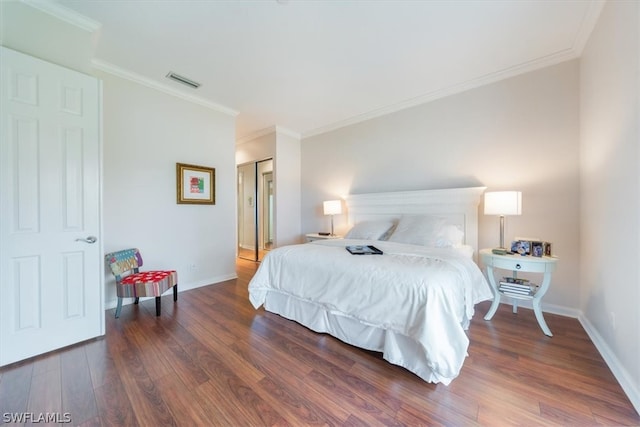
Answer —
51 276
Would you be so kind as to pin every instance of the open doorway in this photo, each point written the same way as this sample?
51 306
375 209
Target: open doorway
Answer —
255 209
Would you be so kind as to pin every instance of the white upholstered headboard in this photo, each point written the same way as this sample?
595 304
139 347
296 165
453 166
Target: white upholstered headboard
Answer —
458 205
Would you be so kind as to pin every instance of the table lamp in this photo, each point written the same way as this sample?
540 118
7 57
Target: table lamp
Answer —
502 203
332 207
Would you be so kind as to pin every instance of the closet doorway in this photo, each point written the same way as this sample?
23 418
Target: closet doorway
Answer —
255 209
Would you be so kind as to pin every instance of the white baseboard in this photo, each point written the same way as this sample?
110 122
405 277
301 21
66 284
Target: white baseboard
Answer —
181 288
547 308
621 374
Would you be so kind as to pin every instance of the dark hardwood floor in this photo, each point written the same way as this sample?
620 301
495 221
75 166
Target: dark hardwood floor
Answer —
211 359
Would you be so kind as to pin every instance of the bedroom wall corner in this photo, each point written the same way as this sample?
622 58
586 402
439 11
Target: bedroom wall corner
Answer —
287 189
610 191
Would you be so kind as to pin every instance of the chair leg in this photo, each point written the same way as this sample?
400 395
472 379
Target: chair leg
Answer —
119 307
157 306
175 292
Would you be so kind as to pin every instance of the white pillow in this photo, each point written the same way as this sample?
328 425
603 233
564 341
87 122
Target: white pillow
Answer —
464 250
369 230
449 236
418 230
427 230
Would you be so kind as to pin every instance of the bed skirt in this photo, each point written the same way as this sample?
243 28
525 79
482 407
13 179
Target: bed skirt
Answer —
391 344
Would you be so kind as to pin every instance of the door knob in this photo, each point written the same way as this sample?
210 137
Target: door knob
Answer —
90 239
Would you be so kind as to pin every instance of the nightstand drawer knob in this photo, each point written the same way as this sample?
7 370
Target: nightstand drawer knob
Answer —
518 266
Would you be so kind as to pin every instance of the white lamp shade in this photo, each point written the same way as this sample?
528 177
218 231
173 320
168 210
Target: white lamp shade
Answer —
332 207
503 203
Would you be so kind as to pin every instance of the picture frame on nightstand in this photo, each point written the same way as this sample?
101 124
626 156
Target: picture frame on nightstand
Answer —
537 249
540 249
522 247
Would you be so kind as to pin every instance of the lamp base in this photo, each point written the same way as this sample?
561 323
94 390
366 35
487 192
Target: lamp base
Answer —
499 251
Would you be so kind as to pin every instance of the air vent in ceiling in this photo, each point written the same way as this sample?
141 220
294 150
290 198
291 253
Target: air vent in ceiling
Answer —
183 80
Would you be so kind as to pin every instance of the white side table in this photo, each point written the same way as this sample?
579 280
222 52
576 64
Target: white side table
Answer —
516 263
315 236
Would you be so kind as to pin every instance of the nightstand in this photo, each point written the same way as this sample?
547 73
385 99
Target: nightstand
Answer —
517 263
315 236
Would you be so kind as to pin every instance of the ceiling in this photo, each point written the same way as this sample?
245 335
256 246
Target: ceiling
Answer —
313 66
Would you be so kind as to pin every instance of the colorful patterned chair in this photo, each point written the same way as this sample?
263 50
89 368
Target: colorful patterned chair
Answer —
131 283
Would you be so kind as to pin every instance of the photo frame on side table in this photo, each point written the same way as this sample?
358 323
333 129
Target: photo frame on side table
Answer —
522 247
537 249
195 184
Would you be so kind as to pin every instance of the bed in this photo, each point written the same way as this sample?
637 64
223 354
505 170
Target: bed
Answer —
413 303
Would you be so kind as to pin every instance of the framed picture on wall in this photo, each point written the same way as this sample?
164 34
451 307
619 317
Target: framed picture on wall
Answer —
195 184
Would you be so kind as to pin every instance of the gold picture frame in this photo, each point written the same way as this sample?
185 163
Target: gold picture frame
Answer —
195 184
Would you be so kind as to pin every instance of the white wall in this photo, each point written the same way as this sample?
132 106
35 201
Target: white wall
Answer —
610 190
287 190
517 134
146 132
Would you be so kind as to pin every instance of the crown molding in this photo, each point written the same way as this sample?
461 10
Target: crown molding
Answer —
288 132
546 61
153 84
589 22
587 25
267 131
255 135
64 14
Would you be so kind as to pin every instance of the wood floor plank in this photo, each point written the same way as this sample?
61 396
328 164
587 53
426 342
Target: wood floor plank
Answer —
235 396
272 364
432 415
45 396
15 386
208 343
46 364
220 410
114 406
367 410
144 396
295 406
175 356
178 397
156 365
101 365
77 389
487 394
269 361
509 415
212 359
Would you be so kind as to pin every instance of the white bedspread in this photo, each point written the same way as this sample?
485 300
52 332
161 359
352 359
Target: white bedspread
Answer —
424 294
